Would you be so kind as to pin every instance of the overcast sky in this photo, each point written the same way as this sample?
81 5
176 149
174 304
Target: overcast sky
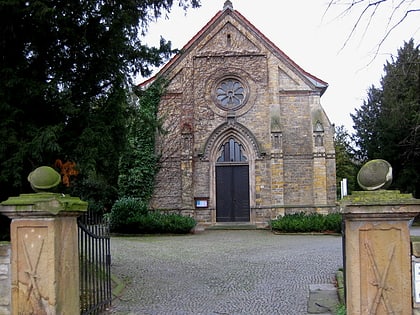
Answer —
311 38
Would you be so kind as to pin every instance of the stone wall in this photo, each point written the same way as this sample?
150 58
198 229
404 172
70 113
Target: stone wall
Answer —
5 279
377 251
281 126
167 185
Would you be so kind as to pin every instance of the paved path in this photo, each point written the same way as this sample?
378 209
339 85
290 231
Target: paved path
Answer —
222 272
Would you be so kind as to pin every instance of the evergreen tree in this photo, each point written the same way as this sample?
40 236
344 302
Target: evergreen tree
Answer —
401 116
65 68
387 125
346 167
366 126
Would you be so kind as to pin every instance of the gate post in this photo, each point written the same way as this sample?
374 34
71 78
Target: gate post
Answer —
377 251
45 260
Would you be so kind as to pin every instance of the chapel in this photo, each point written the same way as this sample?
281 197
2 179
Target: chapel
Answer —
246 139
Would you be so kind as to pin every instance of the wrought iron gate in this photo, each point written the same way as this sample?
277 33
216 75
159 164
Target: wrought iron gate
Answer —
95 264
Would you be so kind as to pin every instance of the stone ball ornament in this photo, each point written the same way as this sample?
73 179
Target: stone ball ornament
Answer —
375 175
44 179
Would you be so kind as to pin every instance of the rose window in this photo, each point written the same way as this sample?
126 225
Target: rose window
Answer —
230 94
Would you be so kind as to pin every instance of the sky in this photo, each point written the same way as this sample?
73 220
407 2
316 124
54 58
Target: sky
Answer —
312 38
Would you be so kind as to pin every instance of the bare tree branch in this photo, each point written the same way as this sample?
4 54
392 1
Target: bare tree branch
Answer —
368 11
369 22
392 28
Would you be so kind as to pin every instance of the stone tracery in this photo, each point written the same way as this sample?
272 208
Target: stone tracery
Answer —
230 129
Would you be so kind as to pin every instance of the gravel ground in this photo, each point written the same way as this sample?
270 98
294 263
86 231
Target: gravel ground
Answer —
222 272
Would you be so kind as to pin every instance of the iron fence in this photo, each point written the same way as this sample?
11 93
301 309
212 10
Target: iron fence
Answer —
95 264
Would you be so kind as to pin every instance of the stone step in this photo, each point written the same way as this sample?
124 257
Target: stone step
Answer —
232 226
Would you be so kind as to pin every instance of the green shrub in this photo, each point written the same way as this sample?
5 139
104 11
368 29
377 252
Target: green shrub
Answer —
156 222
333 222
303 223
131 215
126 213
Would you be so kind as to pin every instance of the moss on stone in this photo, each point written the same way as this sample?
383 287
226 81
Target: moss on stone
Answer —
379 197
44 178
49 202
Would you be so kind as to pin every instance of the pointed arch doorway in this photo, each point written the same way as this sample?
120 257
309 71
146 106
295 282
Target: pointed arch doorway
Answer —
232 184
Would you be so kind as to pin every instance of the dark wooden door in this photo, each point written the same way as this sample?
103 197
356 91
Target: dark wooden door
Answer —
232 193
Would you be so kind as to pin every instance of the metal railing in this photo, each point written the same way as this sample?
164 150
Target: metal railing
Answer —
95 264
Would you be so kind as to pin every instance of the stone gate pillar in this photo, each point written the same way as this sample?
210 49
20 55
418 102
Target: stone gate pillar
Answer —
377 251
45 260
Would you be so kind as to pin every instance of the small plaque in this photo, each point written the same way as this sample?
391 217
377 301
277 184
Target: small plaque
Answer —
201 202
417 291
416 281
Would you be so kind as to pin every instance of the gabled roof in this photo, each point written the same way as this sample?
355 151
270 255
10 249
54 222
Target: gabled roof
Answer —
228 10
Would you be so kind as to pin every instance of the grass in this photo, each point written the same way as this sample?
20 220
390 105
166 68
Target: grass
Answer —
341 310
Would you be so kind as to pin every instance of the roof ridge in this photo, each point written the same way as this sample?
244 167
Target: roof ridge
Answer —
228 6
278 49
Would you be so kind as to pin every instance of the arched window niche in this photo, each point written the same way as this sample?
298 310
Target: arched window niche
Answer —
231 145
231 151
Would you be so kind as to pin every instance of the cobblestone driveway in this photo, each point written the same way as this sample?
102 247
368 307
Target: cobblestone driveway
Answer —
222 272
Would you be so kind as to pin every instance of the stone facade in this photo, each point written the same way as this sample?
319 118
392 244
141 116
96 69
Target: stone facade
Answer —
233 89
5 279
377 251
44 260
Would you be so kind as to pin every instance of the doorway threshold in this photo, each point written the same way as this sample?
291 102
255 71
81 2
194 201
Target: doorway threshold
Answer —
232 226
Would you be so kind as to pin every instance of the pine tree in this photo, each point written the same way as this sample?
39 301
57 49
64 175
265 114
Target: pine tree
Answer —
365 124
387 125
65 69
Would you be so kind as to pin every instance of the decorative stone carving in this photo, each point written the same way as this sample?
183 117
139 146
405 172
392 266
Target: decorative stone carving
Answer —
230 94
44 241
44 178
375 174
377 251
224 129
